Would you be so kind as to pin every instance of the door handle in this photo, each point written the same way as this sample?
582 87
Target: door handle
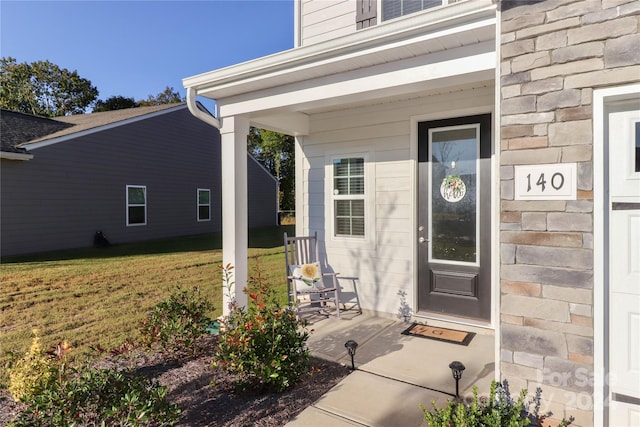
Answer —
423 240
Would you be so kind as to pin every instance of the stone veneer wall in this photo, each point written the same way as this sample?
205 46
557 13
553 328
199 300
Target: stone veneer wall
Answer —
553 54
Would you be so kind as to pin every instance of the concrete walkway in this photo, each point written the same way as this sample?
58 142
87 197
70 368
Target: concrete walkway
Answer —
394 373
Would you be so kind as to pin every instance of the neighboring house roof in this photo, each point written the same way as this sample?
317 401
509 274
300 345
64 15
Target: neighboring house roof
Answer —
84 122
19 129
16 128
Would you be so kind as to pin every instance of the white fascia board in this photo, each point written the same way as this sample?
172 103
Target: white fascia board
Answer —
455 18
347 61
40 144
452 67
15 156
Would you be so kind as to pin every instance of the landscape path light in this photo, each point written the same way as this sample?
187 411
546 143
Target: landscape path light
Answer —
456 370
351 346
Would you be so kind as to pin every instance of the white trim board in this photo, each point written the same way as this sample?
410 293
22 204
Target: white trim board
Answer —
601 97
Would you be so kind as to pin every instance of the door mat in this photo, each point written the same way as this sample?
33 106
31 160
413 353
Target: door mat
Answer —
440 334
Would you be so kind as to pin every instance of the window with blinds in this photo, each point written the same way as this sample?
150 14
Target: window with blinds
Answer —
348 196
396 8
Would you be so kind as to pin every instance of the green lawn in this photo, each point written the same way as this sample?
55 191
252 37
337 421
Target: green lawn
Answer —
100 296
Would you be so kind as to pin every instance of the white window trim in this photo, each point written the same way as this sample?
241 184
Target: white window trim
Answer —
348 197
130 205
379 11
198 204
368 197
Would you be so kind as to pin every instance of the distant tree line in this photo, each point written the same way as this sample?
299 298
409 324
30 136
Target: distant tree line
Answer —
42 88
168 96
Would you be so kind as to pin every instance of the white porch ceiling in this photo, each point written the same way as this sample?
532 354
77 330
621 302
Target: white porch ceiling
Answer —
432 52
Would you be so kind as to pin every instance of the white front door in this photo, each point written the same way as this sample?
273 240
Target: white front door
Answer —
624 267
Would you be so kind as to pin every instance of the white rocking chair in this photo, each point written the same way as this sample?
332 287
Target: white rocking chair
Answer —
308 287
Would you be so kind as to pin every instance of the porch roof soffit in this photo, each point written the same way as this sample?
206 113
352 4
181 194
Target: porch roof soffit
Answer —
439 47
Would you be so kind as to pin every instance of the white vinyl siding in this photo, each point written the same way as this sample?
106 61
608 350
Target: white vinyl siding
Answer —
326 19
136 205
204 204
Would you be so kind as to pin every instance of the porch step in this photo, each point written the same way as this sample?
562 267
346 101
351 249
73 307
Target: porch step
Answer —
365 399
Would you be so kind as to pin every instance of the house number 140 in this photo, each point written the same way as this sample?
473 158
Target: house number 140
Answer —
545 182
557 181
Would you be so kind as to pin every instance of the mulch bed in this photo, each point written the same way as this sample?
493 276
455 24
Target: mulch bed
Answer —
208 396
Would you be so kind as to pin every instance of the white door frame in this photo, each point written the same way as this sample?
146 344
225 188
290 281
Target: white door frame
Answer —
601 98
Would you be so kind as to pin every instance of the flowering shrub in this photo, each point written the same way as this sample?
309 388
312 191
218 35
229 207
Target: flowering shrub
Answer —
498 410
178 321
32 372
263 344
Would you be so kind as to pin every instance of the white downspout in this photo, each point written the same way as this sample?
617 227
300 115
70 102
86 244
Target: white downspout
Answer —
193 108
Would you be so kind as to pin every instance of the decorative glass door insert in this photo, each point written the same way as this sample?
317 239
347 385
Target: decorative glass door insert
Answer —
453 207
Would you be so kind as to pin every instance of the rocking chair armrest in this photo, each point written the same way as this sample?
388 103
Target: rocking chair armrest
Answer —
334 278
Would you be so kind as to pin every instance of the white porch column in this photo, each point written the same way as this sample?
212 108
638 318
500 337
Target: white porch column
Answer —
233 134
299 180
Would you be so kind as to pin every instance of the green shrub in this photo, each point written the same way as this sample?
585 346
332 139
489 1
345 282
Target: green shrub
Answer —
263 343
178 321
498 410
105 397
60 396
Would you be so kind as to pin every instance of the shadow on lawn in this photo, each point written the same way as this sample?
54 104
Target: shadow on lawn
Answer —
264 237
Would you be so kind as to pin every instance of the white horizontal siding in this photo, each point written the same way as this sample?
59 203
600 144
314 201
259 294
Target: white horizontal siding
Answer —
327 19
324 11
393 197
394 238
384 261
396 184
312 6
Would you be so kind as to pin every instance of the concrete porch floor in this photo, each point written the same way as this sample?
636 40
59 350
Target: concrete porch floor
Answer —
394 374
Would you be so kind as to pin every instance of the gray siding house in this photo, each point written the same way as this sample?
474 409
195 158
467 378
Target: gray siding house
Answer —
135 174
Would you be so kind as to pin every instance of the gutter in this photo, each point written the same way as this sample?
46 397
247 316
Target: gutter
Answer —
15 156
197 112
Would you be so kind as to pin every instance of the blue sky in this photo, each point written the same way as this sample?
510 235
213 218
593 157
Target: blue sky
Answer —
137 48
